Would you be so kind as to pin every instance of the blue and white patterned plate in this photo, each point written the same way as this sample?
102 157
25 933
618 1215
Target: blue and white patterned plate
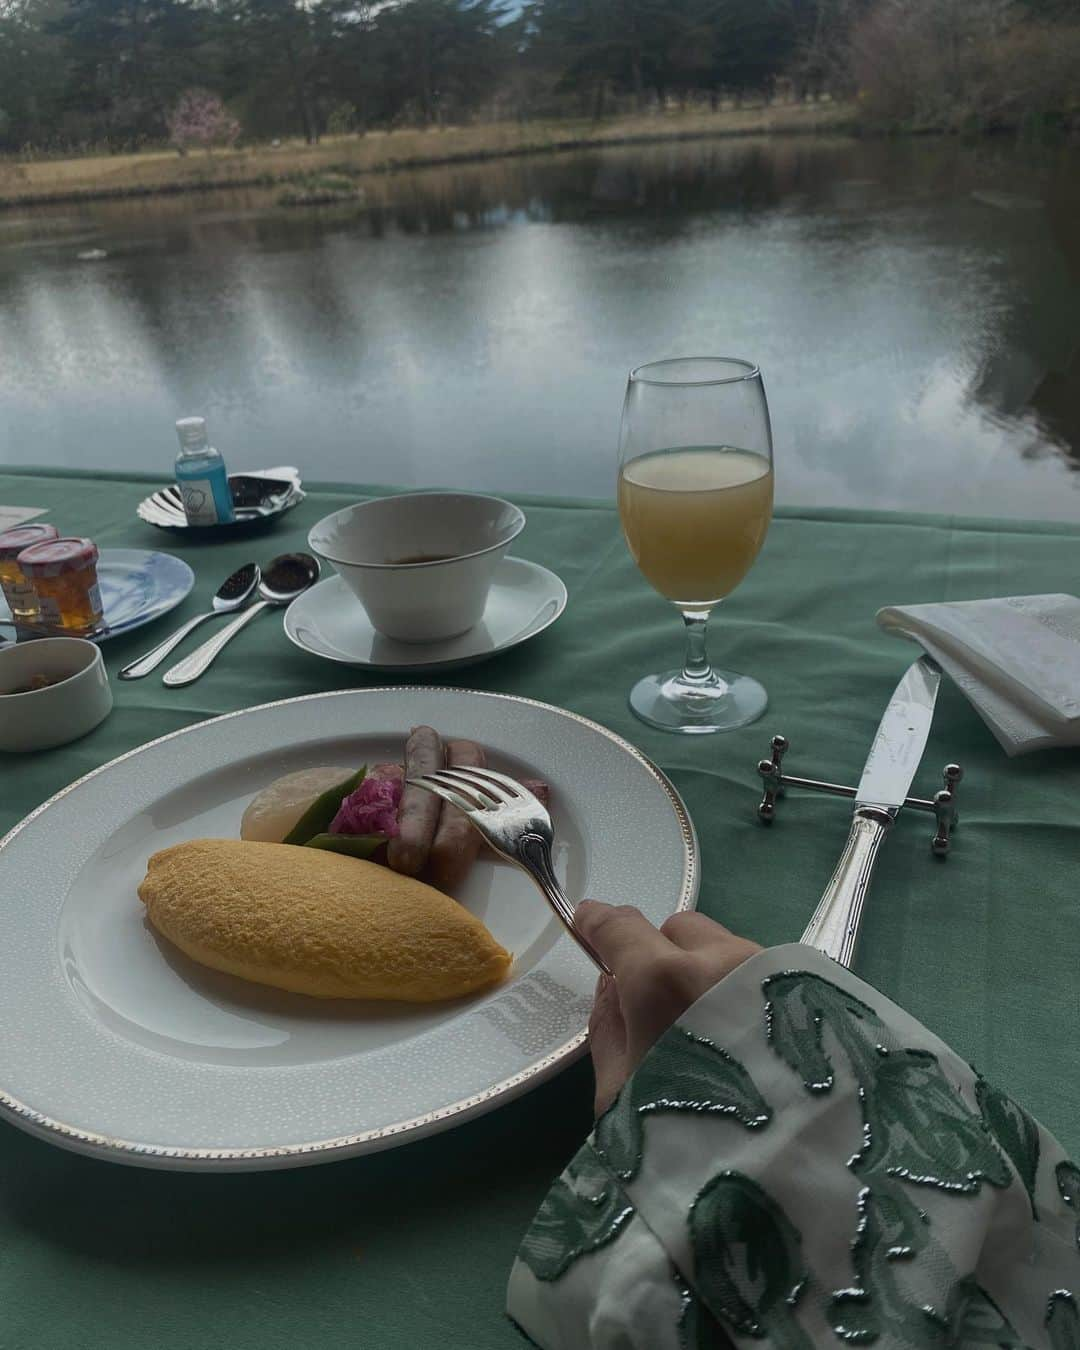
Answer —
136 586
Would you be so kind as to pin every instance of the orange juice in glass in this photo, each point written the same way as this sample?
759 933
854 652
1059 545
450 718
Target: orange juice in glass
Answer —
695 496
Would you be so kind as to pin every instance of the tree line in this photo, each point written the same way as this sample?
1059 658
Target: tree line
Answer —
114 74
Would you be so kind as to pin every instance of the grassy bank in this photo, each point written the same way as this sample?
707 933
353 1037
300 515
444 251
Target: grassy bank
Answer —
29 182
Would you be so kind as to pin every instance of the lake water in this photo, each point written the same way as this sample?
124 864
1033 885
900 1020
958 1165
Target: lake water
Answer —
913 305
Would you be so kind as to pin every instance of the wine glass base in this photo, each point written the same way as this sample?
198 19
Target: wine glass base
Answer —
728 701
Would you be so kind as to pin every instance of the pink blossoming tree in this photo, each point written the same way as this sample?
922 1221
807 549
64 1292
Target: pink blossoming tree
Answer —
200 118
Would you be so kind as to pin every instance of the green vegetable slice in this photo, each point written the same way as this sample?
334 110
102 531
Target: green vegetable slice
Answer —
355 845
323 809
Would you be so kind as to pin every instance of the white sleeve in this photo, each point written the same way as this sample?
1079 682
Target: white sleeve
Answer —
798 1162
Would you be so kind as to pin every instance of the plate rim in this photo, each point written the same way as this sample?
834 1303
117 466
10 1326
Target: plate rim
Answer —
145 553
115 1149
448 663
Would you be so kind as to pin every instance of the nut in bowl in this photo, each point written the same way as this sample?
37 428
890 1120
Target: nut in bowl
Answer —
420 563
52 691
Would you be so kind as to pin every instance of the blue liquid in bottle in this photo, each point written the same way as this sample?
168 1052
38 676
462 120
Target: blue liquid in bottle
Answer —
201 476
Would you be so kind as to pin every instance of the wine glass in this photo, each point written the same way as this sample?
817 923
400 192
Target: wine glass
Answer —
695 500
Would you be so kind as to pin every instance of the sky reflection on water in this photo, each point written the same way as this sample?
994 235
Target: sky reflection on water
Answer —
913 306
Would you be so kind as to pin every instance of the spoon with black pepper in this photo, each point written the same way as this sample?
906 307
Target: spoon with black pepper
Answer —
289 575
233 594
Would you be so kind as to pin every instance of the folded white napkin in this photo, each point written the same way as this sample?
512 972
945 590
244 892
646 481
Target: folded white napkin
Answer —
18 515
1017 658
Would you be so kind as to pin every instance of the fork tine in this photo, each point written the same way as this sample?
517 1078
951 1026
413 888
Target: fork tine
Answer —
447 794
522 796
505 780
471 793
508 830
475 779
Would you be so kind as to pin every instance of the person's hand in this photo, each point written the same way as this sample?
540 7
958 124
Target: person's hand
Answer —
658 974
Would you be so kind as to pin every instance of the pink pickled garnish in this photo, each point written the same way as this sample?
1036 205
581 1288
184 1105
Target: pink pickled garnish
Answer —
371 809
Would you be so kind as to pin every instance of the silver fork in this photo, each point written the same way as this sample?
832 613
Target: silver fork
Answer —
517 826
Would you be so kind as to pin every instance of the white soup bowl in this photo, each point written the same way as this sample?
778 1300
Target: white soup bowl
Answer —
420 563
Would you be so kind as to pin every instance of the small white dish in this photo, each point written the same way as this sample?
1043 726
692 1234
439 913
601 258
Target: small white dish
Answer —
38 719
420 563
327 621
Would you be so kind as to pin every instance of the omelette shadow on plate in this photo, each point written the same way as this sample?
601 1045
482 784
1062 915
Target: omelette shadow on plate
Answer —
233 994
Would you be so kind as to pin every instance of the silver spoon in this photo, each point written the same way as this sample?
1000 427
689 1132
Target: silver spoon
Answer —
288 576
233 593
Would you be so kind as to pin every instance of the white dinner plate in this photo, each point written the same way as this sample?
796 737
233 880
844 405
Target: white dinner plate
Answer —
118 1045
329 621
137 585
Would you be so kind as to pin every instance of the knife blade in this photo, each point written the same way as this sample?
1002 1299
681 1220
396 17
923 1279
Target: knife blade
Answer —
901 738
895 754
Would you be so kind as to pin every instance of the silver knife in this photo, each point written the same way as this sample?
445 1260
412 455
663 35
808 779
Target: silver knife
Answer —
894 756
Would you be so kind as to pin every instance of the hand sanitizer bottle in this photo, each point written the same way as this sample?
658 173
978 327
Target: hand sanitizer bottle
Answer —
201 476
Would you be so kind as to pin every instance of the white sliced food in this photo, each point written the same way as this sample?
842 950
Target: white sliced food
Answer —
278 807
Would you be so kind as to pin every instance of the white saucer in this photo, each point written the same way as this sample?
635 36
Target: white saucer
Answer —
329 621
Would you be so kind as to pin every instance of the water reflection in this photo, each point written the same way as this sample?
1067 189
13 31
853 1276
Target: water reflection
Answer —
913 305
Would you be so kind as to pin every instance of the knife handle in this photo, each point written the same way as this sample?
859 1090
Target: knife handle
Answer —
834 929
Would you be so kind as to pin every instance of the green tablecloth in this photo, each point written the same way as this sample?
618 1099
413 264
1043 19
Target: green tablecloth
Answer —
411 1248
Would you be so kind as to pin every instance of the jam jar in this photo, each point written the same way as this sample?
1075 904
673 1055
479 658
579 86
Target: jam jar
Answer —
63 573
18 591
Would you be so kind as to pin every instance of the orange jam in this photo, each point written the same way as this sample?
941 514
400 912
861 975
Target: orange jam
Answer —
18 592
63 573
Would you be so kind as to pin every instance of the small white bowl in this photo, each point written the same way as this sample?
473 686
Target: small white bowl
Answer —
62 712
462 536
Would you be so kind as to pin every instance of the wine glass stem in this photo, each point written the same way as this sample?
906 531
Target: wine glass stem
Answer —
696 667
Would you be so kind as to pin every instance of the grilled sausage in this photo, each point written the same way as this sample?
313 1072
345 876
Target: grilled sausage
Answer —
456 842
418 814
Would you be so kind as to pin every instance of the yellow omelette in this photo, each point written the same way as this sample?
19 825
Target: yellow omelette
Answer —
318 923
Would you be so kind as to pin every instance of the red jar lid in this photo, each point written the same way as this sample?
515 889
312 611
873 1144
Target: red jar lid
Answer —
53 556
13 541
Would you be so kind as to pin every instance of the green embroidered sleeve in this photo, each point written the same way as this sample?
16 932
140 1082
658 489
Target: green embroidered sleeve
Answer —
797 1163
583 1210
